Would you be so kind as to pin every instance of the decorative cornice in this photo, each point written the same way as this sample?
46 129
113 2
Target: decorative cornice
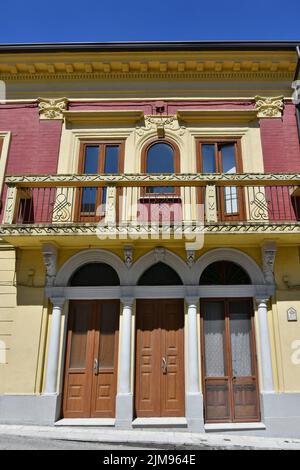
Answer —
137 179
163 65
269 107
52 108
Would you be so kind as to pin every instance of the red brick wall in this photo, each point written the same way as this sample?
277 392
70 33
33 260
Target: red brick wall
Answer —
280 142
34 146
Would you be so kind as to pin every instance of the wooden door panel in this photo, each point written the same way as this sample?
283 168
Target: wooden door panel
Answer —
172 321
217 400
232 396
77 386
104 386
159 392
245 401
147 360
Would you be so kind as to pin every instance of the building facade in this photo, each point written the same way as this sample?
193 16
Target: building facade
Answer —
150 236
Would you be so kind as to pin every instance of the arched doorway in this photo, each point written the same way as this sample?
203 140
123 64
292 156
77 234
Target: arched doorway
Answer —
159 378
90 382
230 378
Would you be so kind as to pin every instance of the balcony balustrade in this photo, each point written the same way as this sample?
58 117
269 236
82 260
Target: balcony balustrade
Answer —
213 200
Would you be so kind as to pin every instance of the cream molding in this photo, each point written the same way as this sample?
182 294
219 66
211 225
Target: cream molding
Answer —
213 115
52 108
269 107
104 117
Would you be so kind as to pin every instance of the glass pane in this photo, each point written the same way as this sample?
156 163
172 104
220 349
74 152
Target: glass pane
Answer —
160 274
214 339
160 159
208 158
111 164
231 199
108 325
91 159
240 334
79 339
88 201
228 158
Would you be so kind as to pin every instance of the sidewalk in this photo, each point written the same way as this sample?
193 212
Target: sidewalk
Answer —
180 439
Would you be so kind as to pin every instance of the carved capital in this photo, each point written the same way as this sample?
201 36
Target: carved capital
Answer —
49 252
269 107
52 108
268 256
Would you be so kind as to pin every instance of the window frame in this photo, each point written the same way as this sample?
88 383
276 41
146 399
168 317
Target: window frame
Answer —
222 214
176 155
102 144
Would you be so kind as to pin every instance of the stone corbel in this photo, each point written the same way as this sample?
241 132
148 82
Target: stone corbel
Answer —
268 256
52 108
49 252
269 107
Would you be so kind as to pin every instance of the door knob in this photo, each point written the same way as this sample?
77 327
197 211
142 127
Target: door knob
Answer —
164 365
96 366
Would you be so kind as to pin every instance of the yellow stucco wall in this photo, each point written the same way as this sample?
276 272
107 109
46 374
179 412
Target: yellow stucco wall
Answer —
25 319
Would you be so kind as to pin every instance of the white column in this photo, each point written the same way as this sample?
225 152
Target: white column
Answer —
193 347
124 402
265 348
54 347
194 401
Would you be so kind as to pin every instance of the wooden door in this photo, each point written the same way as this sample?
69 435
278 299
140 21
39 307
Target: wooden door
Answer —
229 361
91 359
159 387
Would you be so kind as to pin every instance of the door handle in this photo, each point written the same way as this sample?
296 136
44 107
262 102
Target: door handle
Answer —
164 365
96 366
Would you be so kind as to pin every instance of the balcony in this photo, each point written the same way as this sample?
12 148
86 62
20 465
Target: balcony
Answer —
132 205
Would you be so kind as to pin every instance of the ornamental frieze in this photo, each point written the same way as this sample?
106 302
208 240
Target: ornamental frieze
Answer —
61 180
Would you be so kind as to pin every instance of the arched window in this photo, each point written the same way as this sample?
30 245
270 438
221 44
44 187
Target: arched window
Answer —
224 273
160 274
160 157
95 274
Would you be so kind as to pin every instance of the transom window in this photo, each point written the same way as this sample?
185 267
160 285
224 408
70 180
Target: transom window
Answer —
95 274
160 274
224 273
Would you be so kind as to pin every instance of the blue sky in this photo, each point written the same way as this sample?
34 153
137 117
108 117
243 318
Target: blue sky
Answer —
154 20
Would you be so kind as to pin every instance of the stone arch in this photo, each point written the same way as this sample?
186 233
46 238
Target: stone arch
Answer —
91 256
233 255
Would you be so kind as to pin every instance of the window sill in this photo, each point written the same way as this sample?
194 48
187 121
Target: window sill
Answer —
233 426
